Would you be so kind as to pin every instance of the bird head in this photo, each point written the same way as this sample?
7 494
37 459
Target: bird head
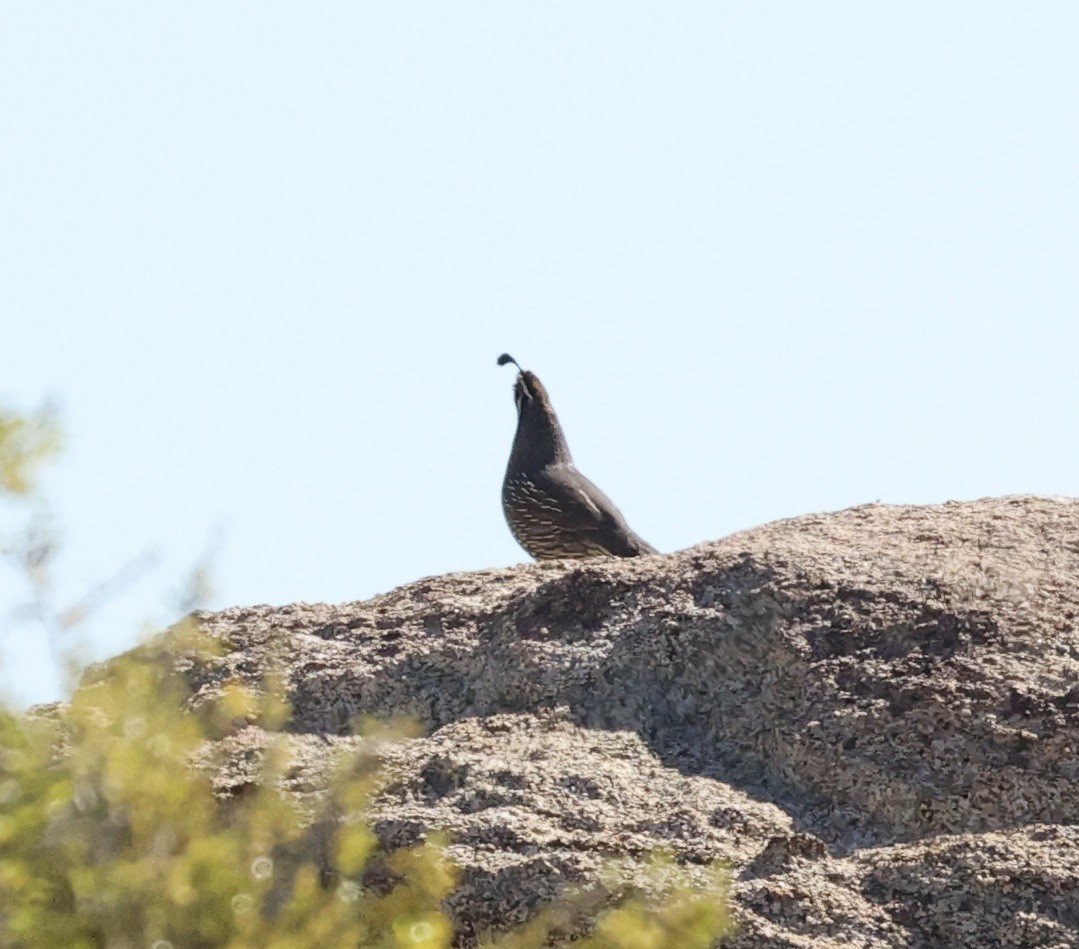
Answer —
539 435
528 392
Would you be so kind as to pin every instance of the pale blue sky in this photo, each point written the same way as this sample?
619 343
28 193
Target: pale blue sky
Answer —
768 258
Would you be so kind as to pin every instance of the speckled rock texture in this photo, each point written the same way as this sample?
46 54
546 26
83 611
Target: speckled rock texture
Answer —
872 715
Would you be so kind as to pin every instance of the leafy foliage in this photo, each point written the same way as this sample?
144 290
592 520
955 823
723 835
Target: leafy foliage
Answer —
116 841
26 442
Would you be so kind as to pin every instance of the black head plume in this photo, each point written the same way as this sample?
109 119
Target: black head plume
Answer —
522 389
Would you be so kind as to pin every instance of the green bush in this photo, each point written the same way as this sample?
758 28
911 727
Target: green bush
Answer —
110 837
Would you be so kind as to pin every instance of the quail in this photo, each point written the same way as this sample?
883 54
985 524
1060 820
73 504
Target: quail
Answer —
553 510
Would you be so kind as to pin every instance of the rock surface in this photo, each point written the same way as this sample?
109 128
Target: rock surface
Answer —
872 715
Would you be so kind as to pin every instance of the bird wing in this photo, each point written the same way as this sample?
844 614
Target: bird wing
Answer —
585 510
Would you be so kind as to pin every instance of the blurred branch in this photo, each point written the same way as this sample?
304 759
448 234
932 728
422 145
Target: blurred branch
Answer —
120 582
198 589
30 544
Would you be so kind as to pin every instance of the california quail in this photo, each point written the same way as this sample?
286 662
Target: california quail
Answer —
552 509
